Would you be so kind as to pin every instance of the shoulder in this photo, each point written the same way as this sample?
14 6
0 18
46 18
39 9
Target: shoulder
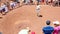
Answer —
44 27
47 27
59 27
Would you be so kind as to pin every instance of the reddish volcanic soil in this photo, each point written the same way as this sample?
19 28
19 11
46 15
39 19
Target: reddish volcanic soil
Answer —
25 16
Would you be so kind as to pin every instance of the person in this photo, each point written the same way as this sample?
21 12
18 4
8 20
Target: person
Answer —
48 29
24 31
57 27
12 4
24 1
38 1
46 2
38 9
18 2
32 32
34 1
8 5
55 2
31 1
4 8
27 2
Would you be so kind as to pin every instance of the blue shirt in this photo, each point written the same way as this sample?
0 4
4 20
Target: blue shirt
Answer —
48 29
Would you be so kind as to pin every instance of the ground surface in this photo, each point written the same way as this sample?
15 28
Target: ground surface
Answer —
24 16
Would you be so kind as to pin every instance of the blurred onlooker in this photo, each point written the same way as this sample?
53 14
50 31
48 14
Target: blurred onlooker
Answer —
4 8
27 2
48 29
34 1
18 2
47 2
8 5
38 10
12 4
31 1
56 27
38 2
24 1
33 32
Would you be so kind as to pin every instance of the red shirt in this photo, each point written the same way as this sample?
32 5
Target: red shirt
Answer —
32 32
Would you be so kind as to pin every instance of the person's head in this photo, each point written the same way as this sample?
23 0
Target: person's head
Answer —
2 4
56 23
48 22
28 29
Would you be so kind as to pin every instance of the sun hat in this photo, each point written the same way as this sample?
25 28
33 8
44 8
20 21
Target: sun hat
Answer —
56 22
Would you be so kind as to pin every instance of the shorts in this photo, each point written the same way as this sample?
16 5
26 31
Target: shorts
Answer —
37 11
3 9
12 5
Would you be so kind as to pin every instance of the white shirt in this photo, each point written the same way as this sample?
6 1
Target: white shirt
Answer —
23 31
38 7
4 6
12 3
1 8
22 0
6 9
